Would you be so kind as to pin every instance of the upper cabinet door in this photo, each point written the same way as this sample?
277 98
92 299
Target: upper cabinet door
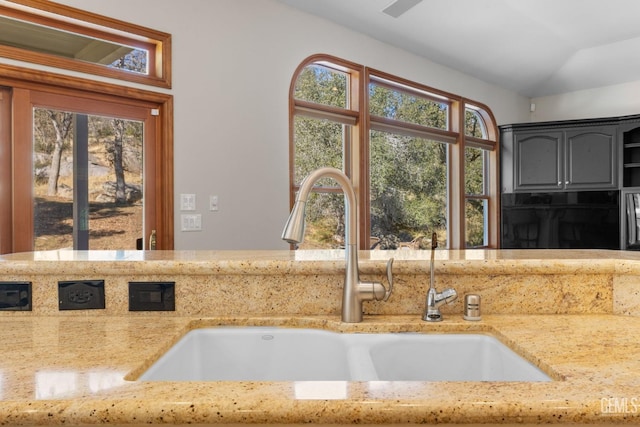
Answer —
538 161
572 159
591 156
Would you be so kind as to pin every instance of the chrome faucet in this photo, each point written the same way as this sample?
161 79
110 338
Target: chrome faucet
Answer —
434 298
355 292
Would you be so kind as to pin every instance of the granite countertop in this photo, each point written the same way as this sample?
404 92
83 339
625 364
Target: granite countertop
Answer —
575 314
79 370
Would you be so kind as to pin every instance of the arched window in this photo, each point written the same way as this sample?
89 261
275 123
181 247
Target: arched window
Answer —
414 168
480 183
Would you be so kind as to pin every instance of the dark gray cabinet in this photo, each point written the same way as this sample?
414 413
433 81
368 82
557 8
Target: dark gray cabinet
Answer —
559 159
631 157
571 184
591 159
538 161
630 195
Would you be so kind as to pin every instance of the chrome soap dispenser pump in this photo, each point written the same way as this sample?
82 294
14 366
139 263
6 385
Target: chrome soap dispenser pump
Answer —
434 298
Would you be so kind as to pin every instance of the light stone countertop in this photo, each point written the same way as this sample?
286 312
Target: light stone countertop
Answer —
57 368
72 370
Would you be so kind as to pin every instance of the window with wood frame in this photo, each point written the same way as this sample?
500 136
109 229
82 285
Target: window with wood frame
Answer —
47 33
87 120
421 160
25 101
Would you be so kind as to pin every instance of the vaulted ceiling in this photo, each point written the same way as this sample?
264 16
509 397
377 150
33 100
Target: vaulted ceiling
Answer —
534 47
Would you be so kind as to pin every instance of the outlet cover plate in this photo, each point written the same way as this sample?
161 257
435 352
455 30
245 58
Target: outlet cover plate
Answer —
15 296
81 294
152 296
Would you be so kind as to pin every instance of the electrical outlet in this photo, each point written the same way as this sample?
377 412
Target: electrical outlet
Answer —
81 294
152 296
15 296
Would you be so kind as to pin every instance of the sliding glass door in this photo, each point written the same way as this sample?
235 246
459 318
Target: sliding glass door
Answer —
86 179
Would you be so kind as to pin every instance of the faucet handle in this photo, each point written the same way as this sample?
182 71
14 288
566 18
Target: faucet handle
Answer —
387 292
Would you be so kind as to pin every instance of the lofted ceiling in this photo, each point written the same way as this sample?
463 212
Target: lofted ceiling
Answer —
534 47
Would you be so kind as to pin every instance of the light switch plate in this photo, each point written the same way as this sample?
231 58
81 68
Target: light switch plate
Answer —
191 222
187 202
213 203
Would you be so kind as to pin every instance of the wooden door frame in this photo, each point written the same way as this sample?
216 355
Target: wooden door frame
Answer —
23 82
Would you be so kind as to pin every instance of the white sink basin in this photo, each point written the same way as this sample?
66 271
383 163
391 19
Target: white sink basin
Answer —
282 354
253 354
450 357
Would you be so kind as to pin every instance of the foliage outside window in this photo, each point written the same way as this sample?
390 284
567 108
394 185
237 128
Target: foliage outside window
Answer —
408 190
402 106
398 152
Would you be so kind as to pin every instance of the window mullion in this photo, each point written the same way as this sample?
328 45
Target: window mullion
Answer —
384 124
484 144
325 112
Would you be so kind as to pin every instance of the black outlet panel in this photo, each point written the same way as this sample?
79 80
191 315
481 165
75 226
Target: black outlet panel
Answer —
152 296
15 296
81 294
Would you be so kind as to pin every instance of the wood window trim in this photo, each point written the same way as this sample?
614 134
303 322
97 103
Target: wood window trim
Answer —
6 233
455 137
21 79
493 189
157 43
351 116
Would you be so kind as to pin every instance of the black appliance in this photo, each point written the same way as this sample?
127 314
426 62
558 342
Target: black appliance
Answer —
631 199
561 220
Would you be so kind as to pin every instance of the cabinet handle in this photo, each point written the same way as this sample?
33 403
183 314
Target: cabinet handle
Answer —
559 183
567 182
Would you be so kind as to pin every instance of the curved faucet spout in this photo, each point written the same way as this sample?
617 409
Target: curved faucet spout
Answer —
355 292
294 229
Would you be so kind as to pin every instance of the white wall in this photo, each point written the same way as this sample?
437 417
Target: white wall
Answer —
609 101
232 65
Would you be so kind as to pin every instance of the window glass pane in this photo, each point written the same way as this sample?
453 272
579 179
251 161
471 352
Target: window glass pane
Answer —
322 85
408 190
474 124
324 225
105 190
318 143
135 60
476 222
406 107
66 44
474 171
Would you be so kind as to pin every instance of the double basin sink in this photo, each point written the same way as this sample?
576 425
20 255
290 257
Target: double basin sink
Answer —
289 354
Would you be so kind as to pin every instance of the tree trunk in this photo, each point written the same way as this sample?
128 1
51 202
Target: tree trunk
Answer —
118 166
62 124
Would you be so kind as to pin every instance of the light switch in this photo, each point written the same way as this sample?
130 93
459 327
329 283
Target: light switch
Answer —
187 202
191 222
213 203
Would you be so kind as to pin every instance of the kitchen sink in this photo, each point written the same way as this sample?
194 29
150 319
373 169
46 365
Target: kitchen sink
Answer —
290 354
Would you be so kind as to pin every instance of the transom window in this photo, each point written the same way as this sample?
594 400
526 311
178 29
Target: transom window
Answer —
421 160
60 36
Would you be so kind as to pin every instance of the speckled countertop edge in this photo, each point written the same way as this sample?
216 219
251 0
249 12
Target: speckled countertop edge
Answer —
323 262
